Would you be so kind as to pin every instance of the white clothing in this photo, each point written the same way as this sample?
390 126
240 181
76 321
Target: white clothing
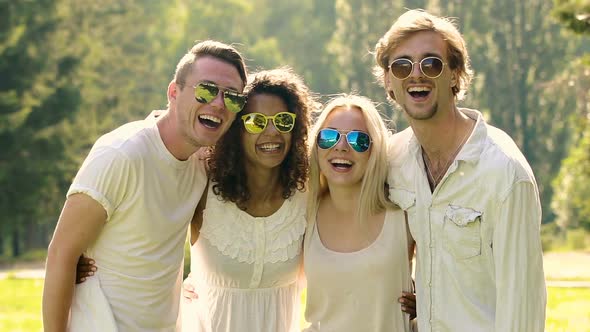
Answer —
150 197
91 316
245 269
479 258
359 291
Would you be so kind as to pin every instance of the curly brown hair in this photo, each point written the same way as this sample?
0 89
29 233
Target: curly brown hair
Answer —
225 164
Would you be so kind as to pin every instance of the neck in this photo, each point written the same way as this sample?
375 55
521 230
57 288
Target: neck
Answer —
441 139
263 183
173 139
345 200
441 135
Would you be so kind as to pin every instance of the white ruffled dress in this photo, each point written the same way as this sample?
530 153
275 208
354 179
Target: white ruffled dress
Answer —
246 269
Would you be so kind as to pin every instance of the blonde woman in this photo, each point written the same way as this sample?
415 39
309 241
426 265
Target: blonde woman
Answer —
356 256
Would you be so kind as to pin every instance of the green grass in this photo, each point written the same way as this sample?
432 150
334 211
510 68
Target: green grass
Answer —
568 309
20 305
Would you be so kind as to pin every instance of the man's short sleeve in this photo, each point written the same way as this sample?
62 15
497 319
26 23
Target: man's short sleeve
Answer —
106 175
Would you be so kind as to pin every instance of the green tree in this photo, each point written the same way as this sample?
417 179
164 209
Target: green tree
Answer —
573 14
301 30
35 95
70 71
572 185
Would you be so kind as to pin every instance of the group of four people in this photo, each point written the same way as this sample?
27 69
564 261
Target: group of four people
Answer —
274 202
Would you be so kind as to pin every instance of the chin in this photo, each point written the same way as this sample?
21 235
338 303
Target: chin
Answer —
421 115
349 180
202 142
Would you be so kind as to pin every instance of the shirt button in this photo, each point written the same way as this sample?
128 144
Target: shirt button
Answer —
430 284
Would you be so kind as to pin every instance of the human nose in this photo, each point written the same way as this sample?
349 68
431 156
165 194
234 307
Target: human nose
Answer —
342 144
270 127
416 69
218 101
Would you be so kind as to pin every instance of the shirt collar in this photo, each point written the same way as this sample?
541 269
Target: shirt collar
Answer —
472 148
474 145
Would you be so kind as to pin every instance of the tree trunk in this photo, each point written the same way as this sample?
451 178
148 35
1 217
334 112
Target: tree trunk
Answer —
16 250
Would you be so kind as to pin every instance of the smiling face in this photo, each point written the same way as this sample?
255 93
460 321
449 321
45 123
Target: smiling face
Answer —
269 148
422 97
202 124
341 165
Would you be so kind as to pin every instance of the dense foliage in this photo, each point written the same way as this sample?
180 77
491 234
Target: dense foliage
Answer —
72 70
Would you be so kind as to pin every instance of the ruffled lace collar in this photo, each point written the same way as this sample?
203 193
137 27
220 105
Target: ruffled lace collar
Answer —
240 236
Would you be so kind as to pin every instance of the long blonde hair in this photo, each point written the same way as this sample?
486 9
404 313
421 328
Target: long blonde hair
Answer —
372 198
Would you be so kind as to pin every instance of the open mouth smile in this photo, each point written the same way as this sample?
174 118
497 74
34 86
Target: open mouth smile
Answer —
341 164
419 93
209 121
270 147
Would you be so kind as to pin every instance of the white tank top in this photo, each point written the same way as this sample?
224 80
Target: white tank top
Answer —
358 291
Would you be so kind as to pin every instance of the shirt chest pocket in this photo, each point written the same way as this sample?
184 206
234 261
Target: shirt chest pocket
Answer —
462 232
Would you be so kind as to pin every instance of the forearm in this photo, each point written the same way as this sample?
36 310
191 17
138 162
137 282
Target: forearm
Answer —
58 291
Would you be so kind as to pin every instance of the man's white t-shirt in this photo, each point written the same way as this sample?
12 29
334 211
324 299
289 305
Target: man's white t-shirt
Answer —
150 198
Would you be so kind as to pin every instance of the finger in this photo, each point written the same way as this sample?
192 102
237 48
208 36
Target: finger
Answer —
82 275
85 268
409 310
410 297
410 301
189 291
86 261
407 300
190 295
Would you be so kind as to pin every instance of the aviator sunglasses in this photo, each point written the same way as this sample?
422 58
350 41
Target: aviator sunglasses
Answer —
359 141
205 92
255 123
431 67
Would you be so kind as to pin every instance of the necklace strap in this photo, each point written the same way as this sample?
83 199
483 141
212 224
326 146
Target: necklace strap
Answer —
443 171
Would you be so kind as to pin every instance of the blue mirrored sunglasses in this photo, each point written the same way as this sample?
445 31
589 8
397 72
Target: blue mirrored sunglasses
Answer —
359 141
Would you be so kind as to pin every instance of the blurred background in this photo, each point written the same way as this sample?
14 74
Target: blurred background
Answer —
71 71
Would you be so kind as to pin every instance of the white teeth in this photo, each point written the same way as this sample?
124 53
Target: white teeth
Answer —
270 146
210 118
341 161
418 89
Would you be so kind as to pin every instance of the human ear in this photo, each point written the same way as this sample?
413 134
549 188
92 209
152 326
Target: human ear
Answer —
172 91
387 83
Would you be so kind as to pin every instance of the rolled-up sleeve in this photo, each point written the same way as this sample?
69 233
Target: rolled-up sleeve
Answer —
518 258
106 176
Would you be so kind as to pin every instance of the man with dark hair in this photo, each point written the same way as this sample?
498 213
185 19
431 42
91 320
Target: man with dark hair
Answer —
132 200
470 195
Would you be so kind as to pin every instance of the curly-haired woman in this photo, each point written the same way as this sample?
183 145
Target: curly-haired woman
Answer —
246 238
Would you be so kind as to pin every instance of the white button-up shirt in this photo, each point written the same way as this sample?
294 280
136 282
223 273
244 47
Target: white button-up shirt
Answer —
479 259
